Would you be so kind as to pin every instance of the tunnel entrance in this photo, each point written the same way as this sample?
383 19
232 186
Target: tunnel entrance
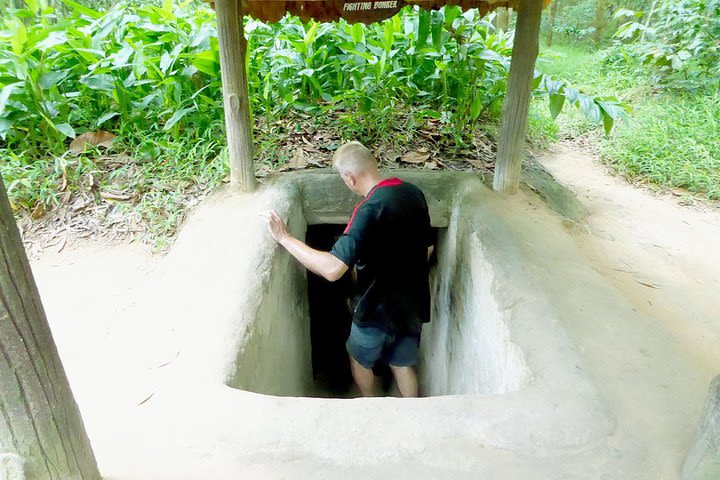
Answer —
330 318
295 344
330 307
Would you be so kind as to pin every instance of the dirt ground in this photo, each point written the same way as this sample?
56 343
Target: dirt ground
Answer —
662 256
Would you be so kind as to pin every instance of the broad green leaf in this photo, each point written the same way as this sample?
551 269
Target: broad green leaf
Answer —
389 35
105 118
18 36
312 31
436 30
491 55
476 107
177 116
589 107
5 94
205 62
65 129
121 57
556 103
82 9
571 94
51 79
99 82
357 32
423 31
52 40
165 62
607 123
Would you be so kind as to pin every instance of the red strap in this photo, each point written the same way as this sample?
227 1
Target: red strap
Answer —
390 182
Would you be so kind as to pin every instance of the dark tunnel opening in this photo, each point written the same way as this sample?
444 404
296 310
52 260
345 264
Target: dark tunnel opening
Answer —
330 308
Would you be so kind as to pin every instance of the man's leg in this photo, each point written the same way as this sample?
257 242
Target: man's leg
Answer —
402 358
365 346
406 381
364 378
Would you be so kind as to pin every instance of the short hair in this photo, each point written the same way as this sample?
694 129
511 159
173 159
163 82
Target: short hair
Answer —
355 158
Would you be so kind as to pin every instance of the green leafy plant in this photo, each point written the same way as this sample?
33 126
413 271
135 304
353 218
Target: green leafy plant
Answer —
681 39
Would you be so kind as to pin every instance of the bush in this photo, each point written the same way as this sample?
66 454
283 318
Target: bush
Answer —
681 40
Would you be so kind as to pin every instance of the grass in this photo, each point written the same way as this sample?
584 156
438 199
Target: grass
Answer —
672 142
671 138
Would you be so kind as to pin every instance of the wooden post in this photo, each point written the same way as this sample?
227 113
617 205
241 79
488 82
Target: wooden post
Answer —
41 432
238 121
517 97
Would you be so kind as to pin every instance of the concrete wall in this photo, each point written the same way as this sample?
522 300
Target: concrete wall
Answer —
275 356
466 348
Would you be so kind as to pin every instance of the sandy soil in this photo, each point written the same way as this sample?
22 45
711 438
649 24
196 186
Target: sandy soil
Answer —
662 256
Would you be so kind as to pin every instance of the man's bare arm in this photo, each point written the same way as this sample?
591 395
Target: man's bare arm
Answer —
321 263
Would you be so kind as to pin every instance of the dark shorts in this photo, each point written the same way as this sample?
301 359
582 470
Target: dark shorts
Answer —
367 345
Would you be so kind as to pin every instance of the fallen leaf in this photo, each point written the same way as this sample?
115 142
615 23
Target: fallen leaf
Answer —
415 156
115 196
90 181
100 138
475 163
431 165
298 161
38 211
391 155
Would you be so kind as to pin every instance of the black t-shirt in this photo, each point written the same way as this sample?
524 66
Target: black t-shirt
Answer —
387 239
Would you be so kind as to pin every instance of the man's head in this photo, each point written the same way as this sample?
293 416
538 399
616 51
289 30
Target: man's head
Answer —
357 167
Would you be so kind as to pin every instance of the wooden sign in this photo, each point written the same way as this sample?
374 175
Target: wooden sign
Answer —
364 11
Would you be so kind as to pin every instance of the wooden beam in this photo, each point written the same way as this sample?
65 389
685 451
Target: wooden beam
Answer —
517 97
238 120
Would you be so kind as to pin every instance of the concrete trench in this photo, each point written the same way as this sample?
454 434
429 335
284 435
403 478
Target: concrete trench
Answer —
499 372
466 347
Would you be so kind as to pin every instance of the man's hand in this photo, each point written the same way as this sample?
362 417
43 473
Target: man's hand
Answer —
321 263
278 229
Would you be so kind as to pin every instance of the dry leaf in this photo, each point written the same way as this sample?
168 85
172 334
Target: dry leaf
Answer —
100 138
38 211
482 164
415 156
298 161
90 181
115 196
431 165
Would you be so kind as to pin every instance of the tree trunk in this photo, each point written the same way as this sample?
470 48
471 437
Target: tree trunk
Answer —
517 97
40 423
599 20
551 22
703 459
238 122
502 19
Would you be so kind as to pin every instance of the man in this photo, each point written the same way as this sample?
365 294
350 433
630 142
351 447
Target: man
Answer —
388 239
